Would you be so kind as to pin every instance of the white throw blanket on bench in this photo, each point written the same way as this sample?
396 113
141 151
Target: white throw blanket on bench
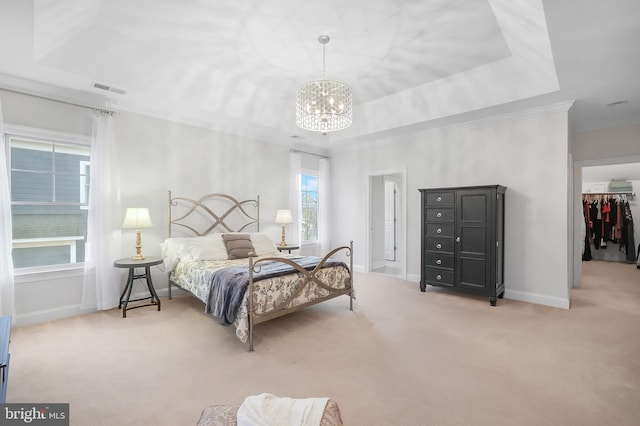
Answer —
267 410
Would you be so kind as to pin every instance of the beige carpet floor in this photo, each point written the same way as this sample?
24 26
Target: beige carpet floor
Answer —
402 357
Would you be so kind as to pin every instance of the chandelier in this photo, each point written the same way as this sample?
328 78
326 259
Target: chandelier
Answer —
323 105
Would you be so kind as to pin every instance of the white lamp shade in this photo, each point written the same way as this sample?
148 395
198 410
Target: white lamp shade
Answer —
284 217
137 218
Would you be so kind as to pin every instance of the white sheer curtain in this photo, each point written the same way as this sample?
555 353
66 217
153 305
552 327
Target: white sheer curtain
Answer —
7 301
324 205
101 285
293 236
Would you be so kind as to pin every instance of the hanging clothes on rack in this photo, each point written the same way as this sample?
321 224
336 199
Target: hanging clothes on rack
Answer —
605 209
608 219
596 223
586 244
630 240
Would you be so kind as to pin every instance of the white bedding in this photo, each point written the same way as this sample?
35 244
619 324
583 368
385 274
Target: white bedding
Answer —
267 409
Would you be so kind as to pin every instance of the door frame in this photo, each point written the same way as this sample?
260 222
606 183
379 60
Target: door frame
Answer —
401 229
575 209
393 203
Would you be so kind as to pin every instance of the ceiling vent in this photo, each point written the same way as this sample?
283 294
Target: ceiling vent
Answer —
109 88
618 103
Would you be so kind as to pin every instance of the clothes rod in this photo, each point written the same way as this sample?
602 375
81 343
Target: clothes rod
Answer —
297 151
46 98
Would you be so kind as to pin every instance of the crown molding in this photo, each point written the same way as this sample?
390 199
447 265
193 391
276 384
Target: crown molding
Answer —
468 124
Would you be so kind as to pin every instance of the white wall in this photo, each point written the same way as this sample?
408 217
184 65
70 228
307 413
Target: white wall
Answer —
153 156
528 154
157 155
606 146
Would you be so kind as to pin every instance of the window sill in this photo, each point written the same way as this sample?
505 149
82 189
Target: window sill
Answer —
26 275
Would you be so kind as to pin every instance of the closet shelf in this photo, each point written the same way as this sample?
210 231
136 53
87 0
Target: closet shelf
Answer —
630 193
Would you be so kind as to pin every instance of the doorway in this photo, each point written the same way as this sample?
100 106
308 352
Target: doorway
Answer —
593 177
386 223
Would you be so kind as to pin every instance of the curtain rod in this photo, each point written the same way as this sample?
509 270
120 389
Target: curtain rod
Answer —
309 153
46 98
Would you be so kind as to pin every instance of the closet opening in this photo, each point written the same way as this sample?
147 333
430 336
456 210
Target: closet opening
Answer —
610 212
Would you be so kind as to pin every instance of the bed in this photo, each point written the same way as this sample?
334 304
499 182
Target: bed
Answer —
216 252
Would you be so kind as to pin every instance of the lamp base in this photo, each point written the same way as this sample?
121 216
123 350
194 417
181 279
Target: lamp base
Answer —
283 243
138 255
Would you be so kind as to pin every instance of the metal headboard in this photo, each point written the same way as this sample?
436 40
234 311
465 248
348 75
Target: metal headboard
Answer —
215 212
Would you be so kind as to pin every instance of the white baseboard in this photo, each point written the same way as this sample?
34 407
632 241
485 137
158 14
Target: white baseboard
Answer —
60 312
45 315
540 299
415 278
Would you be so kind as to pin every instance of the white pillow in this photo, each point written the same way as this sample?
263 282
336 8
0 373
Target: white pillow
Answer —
262 244
207 247
171 251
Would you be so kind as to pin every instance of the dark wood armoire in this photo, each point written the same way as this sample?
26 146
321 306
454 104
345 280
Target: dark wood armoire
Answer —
462 239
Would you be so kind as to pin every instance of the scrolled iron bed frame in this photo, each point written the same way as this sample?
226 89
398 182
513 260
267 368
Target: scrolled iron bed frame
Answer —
218 224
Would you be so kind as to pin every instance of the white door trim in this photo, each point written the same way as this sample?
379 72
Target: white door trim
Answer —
402 217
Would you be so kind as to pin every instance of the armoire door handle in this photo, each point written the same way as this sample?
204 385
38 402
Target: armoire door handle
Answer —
457 239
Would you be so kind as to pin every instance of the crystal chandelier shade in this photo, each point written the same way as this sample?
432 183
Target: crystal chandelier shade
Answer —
324 105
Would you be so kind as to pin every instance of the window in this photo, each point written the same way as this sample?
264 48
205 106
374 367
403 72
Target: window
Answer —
49 192
309 207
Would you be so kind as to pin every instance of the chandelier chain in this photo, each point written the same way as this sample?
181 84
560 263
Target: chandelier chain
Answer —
324 47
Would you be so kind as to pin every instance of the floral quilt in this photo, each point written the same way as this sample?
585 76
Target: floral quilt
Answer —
195 277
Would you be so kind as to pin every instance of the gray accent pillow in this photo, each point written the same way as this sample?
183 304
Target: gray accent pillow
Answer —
238 245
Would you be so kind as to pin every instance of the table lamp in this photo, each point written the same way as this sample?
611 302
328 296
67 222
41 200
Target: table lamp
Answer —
137 218
283 217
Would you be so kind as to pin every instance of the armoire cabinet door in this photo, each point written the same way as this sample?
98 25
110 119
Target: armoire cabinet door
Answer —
472 235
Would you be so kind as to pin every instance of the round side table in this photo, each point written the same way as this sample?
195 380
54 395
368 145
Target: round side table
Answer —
288 248
131 264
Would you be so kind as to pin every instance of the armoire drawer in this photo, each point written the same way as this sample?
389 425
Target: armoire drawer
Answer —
438 260
440 229
444 245
440 214
439 277
440 198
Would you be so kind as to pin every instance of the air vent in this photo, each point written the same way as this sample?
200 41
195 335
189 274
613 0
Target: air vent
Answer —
617 103
109 88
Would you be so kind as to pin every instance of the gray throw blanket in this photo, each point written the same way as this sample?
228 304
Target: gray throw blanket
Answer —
228 285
